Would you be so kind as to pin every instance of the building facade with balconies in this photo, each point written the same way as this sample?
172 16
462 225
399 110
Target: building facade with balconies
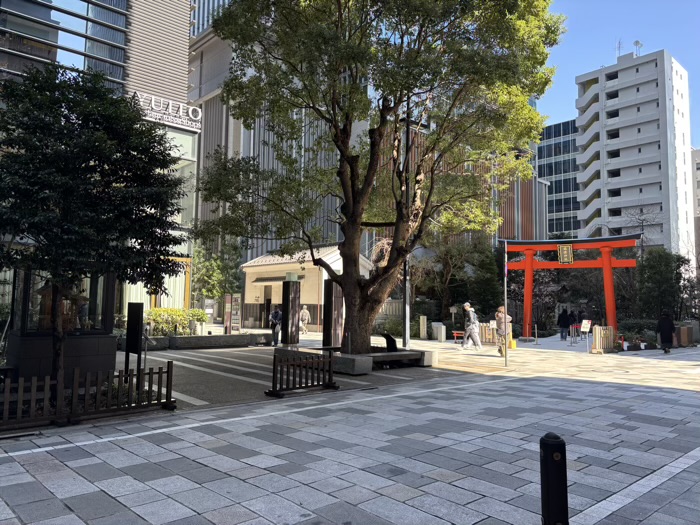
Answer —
556 164
695 166
634 150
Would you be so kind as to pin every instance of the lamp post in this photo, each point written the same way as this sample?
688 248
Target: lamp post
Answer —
406 270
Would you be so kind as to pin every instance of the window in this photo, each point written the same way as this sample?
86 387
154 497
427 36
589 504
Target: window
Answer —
639 150
661 207
640 170
660 187
658 146
697 166
641 190
641 210
662 228
659 167
639 109
636 71
637 89
639 130
657 103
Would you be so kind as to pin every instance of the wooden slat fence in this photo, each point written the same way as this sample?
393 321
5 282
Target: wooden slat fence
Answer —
295 370
29 402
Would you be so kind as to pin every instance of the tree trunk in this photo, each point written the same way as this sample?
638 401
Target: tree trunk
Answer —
57 340
361 310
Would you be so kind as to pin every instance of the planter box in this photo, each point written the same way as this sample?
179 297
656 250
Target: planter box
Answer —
218 341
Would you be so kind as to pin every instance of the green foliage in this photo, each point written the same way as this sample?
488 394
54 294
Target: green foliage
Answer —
637 326
332 81
171 321
662 276
85 181
86 185
216 274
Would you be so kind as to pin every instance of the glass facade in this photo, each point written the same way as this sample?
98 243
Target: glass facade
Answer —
73 33
204 11
556 163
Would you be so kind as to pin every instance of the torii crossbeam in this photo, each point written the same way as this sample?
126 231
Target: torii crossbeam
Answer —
606 261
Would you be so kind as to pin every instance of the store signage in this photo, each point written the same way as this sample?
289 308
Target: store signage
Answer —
169 112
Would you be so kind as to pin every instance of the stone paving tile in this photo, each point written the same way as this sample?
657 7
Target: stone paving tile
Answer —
94 505
41 510
121 486
163 511
233 515
278 510
342 512
202 500
446 510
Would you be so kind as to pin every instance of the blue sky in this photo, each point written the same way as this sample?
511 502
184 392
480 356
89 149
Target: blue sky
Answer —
595 26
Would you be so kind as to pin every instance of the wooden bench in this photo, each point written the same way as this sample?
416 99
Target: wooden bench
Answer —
458 334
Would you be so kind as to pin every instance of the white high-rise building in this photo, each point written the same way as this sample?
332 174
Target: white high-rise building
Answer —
635 171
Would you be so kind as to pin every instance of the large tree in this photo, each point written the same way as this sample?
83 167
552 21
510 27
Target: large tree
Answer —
86 187
335 82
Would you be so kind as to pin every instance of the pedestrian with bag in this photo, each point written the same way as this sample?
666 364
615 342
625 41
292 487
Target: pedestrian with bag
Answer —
471 328
276 324
502 321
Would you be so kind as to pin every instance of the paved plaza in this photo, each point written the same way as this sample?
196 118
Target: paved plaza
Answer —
459 447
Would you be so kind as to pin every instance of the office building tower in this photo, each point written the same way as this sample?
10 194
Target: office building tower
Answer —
556 164
634 152
695 166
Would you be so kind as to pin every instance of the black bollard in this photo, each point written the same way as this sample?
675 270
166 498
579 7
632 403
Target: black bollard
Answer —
555 499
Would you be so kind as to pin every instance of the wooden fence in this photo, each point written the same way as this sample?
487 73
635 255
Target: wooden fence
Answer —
295 370
29 402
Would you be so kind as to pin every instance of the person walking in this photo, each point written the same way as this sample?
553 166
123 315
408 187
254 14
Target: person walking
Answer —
572 324
471 328
563 324
304 318
665 328
502 321
276 324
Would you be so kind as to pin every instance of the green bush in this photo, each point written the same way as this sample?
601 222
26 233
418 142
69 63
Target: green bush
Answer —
394 326
169 321
637 326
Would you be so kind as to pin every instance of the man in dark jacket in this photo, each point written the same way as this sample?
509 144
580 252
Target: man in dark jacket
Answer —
665 328
563 323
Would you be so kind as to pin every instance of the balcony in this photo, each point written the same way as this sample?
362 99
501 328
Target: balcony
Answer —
584 158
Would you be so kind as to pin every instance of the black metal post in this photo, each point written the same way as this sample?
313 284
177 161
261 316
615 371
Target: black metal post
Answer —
555 499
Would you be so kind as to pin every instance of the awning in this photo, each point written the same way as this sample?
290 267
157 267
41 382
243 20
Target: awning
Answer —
274 279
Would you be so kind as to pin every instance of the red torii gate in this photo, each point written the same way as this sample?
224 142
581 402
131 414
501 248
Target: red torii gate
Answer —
607 262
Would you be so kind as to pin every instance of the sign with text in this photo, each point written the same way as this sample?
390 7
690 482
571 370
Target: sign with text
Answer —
585 326
236 311
169 112
566 253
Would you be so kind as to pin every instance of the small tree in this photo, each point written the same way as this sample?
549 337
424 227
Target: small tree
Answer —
216 274
663 283
87 186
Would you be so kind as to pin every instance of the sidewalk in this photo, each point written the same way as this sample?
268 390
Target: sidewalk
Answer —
461 450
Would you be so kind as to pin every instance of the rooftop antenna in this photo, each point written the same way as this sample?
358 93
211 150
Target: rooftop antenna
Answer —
638 46
619 48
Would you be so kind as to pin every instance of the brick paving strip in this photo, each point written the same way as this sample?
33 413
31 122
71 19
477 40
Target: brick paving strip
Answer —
461 450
